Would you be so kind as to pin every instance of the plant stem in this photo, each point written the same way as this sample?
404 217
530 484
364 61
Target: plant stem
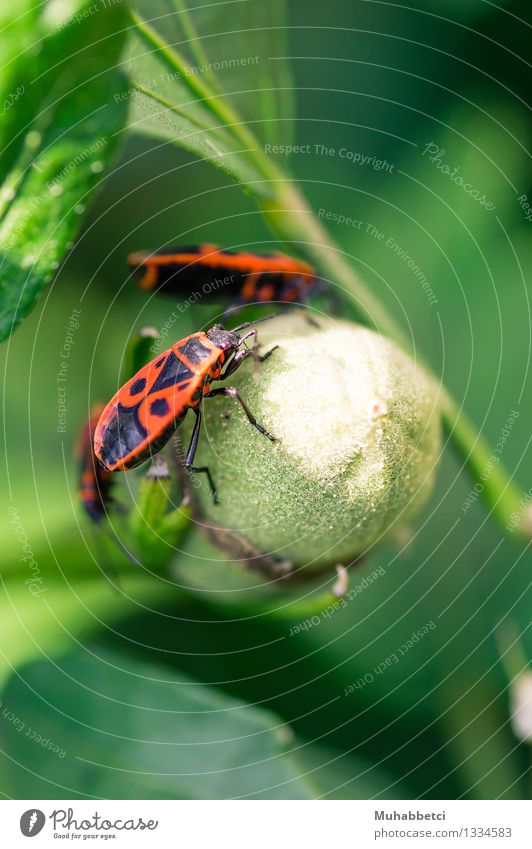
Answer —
293 221
194 43
509 504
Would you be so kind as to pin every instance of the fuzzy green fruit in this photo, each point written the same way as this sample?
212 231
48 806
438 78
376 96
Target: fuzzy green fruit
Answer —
358 439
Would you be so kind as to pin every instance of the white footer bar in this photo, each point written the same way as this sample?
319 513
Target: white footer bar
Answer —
267 824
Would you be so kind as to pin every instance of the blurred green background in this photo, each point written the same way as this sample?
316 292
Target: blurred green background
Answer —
127 679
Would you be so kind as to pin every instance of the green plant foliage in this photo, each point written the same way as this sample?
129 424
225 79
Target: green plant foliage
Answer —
239 49
158 526
202 91
376 709
340 776
44 616
58 138
139 731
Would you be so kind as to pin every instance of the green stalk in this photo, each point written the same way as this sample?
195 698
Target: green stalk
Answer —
509 504
292 220
194 42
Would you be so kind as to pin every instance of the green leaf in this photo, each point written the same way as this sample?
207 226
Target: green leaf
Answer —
241 48
127 729
56 140
204 78
44 615
340 775
18 61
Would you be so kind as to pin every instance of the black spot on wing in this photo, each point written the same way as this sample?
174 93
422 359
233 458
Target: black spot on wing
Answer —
174 371
123 434
159 407
195 351
138 386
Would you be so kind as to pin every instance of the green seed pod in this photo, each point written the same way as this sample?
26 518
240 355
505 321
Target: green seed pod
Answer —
358 439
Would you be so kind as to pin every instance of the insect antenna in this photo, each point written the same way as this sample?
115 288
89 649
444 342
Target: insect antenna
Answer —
256 321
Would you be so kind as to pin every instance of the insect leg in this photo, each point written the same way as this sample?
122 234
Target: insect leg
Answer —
255 349
259 358
247 335
189 459
232 392
262 357
239 358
